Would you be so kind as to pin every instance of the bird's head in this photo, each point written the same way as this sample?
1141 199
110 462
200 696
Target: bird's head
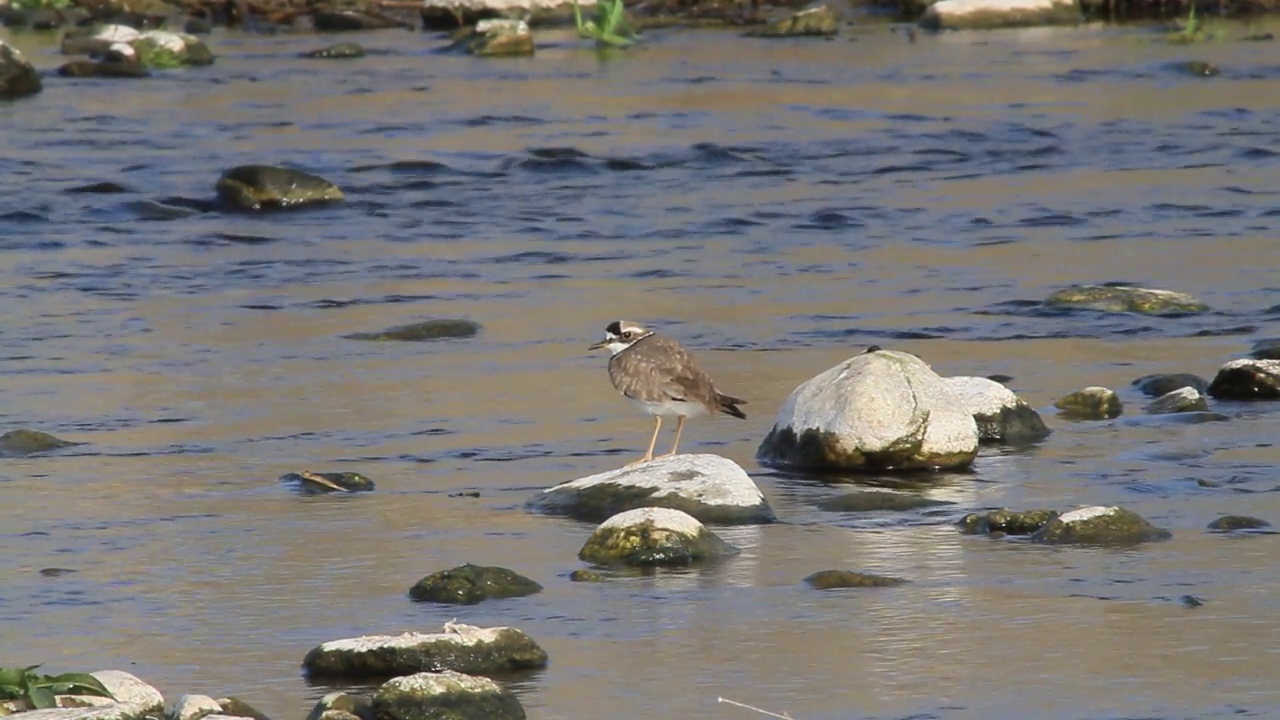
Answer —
620 335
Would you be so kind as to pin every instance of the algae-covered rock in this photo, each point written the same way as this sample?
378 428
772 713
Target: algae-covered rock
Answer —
1126 298
445 696
315 483
193 707
1232 523
342 706
16 443
498 38
1163 384
469 584
1247 379
96 41
18 78
876 500
259 187
437 329
653 536
881 410
161 49
1000 414
1006 522
585 575
1091 403
820 21
464 648
711 488
1099 525
340 51
834 579
1182 400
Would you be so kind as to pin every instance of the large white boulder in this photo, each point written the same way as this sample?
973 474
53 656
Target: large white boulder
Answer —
991 14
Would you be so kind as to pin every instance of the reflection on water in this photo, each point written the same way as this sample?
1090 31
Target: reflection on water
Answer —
776 206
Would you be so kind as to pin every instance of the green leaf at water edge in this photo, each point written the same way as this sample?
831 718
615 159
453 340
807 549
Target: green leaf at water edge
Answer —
76 684
42 697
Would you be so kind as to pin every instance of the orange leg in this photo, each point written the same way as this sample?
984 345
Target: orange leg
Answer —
648 455
676 444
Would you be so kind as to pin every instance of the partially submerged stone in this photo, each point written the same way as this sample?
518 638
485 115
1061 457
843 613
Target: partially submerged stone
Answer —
342 706
366 16
1267 349
95 41
1163 384
193 707
1233 523
259 187
1182 400
441 14
1247 379
819 21
1125 298
464 648
498 38
1006 522
1099 525
316 483
1091 403
445 695
585 575
834 579
18 78
711 488
17 443
469 584
344 50
881 410
1000 414
162 49
877 500
653 536
110 66
436 329
235 707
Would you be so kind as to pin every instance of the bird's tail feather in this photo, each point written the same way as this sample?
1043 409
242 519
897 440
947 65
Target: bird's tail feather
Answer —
728 405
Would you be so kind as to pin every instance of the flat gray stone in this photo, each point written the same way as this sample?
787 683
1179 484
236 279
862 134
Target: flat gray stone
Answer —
460 647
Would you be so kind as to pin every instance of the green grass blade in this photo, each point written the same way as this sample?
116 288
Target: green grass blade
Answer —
42 697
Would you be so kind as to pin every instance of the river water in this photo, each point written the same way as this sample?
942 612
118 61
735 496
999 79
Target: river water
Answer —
777 206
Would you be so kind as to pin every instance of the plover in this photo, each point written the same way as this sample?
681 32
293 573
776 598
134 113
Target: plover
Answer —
661 378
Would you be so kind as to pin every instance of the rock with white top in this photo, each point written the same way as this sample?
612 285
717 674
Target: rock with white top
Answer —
111 711
464 648
653 536
90 41
991 14
1091 403
1099 525
128 688
1247 379
342 706
711 488
445 695
1182 400
444 14
881 410
193 707
1001 415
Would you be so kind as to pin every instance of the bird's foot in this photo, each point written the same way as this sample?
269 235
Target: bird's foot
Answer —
641 461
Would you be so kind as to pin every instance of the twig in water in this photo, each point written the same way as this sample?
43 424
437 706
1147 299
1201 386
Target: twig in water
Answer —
784 716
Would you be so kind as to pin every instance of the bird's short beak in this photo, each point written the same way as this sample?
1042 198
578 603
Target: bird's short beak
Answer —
597 346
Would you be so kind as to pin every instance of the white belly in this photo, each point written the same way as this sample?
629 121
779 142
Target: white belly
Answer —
673 408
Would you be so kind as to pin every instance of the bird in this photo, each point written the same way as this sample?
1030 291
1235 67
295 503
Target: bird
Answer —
660 377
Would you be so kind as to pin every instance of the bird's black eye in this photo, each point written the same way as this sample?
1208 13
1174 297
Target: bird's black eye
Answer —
626 335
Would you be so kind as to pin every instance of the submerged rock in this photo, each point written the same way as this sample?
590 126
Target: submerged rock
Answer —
464 648
17 443
18 78
1232 523
445 695
820 20
834 579
585 575
653 536
342 706
711 488
314 483
1182 400
1006 522
259 187
880 410
1126 298
421 331
1091 403
193 707
875 500
339 51
469 584
498 38
1157 385
1247 379
1001 415
1268 349
1099 526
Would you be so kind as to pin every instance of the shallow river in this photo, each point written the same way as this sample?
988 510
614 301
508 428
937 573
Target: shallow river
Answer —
778 207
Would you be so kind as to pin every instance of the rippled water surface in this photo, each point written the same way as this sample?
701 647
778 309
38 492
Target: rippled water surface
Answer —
776 206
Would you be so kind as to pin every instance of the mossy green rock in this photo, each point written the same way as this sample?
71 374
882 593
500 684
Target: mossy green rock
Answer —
1232 523
469 584
445 696
874 500
259 187
835 579
437 329
1091 403
653 536
1108 526
499 38
464 648
585 575
819 21
314 483
1006 521
16 443
1126 298
342 706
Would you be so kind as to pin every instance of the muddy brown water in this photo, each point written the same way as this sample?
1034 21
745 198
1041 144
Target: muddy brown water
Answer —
777 206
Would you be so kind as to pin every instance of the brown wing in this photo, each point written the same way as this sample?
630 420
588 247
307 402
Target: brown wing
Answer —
657 369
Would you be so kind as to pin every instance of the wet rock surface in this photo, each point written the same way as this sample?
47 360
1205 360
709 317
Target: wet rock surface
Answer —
1268 349
18 78
17 443
445 696
1000 414
1247 379
1183 400
469 584
437 329
1091 403
464 648
308 482
835 579
262 187
339 51
1233 523
1157 385
498 38
653 536
1006 522
1126 298
342 706
1098 525
816 21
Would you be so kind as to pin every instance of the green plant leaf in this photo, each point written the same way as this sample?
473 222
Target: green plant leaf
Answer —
79 682
42 697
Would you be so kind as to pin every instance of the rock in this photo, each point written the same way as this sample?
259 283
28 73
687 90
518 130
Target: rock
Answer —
1268 349
1183 400
337 20
443 14
1195 68
421 331
127 688
584 575
498 38
259 187
874 500
1091 403
1190 601
1126 298
1099 526
1006 522
1001 415
17 443
1157 385
172 50
193 707
342 706
104 69
314 483
88 41
18 78
469 584
1247 379
197 26
820 20
833 579
112 711
235 707
339 51
1231 523
445 696
879 410
653 536
711 488
463 648
992 14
